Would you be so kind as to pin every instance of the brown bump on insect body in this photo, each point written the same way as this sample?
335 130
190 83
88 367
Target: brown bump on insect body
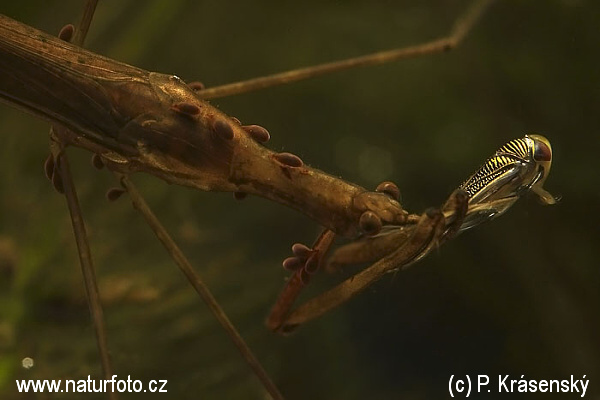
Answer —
97 161
187 109
386 208
288 159
223 129
292 263
66 33
237 121
389 188
196 86
240 195
301 250
113 194
49 167
312 264
258 133
370 223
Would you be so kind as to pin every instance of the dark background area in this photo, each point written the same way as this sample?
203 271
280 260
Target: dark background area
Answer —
518 296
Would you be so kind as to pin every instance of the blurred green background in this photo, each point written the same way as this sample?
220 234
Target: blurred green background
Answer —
517 296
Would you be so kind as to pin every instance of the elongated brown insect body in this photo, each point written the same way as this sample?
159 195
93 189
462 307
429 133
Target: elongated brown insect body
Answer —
517 167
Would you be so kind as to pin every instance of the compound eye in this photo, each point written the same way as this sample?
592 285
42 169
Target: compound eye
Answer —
542 151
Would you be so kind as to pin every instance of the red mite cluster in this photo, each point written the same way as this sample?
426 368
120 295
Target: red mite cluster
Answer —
66 33
305 258
187 109
223 129
390 189
308 260
258 133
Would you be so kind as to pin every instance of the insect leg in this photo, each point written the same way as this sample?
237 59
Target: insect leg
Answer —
298 280
429 229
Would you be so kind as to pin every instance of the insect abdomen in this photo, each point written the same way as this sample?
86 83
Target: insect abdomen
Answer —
510 156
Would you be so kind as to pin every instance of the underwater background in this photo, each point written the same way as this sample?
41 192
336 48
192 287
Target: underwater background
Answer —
517 296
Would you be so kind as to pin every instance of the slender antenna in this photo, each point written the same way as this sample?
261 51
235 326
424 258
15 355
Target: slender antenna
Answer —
85 257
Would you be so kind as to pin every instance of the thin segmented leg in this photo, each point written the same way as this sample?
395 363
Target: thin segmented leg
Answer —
58 171
305 263
199 286
370 249
459 31
430 231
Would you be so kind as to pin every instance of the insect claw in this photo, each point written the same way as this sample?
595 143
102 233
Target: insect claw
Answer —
237 121
544 197
66 33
